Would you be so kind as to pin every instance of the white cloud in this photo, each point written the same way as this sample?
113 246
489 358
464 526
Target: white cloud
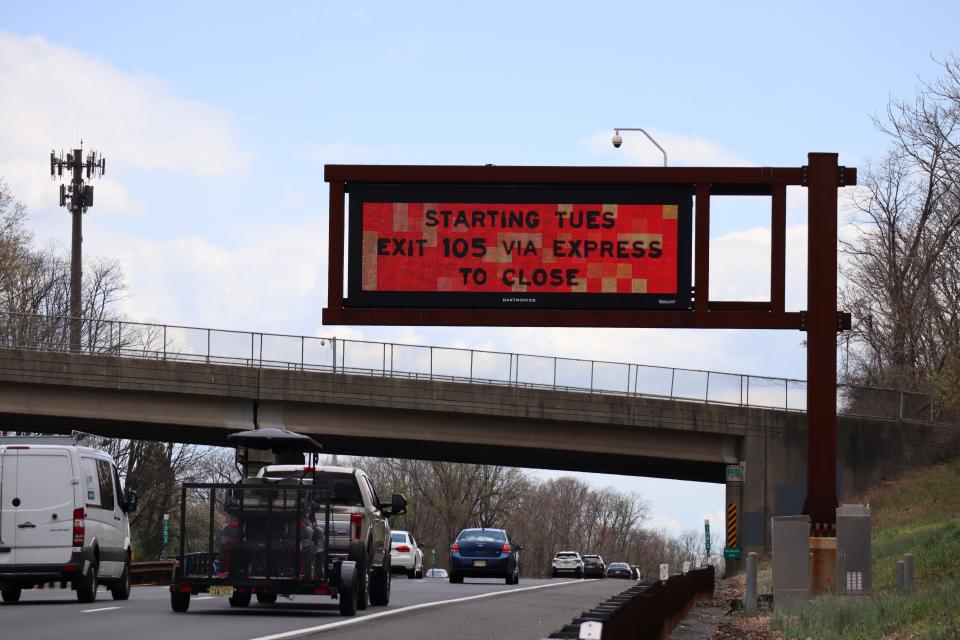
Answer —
53 93
717 520
682 150
740 265
269 281
666 523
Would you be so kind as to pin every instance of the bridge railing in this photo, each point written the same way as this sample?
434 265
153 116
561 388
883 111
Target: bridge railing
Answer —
361 357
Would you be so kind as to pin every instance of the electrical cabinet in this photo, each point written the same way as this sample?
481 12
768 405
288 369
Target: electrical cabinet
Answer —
791 559
853 550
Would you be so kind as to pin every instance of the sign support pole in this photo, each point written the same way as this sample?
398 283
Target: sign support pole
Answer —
822 324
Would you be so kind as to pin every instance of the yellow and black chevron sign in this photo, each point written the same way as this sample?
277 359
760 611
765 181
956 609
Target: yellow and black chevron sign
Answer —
732 524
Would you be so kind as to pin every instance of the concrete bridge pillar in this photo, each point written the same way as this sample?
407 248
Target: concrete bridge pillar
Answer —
733 507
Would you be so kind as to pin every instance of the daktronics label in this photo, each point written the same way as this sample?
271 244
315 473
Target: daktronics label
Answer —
479 253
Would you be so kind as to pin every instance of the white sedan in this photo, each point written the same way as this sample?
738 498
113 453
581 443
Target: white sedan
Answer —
405 555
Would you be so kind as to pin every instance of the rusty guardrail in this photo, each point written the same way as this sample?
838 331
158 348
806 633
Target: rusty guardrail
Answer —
649 610
156 573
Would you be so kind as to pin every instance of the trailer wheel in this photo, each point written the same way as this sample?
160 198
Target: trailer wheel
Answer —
266 598
179 602
12 594
240 599
348 600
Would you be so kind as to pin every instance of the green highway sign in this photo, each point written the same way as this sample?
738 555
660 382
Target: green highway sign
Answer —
166 528
731 553
734 473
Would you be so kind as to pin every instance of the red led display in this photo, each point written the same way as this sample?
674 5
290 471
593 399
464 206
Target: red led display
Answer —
581 248
477 253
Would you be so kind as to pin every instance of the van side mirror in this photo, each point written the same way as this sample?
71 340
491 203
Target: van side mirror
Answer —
130 501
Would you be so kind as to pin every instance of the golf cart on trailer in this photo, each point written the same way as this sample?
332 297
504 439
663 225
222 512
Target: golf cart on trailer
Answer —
261 536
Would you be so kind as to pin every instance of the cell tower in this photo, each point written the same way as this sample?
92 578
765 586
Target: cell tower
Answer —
77 197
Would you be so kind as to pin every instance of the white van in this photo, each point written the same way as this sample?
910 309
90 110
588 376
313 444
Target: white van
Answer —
62 518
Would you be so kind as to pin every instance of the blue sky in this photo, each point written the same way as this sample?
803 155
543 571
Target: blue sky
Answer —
216 120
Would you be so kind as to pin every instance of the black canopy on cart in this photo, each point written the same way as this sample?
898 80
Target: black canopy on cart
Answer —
275 439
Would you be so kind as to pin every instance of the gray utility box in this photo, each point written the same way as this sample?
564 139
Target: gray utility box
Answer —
791 559
853 550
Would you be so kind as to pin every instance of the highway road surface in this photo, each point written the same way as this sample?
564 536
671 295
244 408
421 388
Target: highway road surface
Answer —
419 609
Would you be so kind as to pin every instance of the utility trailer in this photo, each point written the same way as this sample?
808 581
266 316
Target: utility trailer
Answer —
261 536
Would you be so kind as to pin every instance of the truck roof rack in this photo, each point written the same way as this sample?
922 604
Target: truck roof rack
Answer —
73 439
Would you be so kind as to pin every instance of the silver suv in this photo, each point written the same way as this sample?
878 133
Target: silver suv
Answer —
359 526
567 562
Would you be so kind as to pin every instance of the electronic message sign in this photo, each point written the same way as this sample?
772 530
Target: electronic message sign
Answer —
558 247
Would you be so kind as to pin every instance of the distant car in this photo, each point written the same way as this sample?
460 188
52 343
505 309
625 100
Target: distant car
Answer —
593 566
436 572
567 562
619 570
484 553
405 554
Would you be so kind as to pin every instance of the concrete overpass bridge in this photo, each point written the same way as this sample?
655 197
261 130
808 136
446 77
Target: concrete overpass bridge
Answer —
195 385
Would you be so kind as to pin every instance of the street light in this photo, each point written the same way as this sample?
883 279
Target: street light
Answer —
617 140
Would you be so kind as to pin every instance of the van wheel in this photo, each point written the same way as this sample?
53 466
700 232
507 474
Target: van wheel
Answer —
266 598
455 578
240 599
11 595
120 590
87 586
179 602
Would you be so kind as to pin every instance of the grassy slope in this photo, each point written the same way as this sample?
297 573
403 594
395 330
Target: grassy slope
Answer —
917 513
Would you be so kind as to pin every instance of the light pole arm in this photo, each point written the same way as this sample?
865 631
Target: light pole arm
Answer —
649 137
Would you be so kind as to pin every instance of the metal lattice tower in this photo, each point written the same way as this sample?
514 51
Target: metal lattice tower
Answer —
77 197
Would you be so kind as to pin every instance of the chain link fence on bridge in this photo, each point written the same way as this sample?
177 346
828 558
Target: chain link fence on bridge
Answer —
361 357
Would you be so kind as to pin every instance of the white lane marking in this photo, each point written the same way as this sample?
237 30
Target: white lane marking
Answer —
101 609
414 607
206 598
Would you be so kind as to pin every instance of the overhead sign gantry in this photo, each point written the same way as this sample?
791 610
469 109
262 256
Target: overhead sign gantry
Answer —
584 247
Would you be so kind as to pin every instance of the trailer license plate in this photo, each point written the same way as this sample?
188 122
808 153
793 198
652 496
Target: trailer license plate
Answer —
479 563
221 591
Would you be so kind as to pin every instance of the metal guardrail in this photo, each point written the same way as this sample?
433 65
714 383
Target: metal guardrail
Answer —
158 572
649 610
452 364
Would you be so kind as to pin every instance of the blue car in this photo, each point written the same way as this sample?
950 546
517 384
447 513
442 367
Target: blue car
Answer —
484 553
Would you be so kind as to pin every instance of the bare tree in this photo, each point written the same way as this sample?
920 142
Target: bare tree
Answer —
901 273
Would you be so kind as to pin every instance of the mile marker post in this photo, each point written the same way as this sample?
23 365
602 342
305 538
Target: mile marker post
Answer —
166 533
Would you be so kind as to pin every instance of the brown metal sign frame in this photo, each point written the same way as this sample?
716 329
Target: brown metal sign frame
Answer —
822 176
